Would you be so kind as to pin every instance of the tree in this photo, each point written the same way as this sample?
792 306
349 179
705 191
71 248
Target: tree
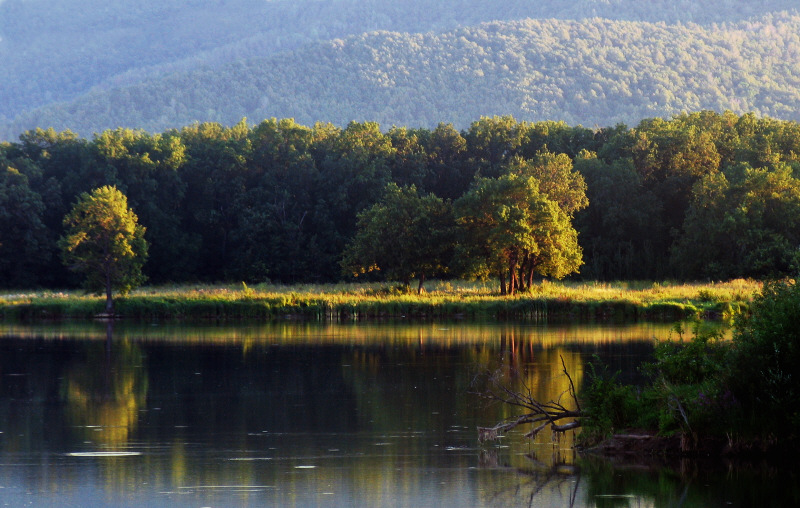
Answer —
145 168
620 228
104 241
557 179
449 174
24 246
511 228
404 235
763 362
494 141
352 173
273 238
215 175
741 223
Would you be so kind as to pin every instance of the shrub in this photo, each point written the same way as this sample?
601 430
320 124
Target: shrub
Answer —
610 405
765 358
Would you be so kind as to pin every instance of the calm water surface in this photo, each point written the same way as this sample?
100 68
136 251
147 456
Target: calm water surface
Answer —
298 414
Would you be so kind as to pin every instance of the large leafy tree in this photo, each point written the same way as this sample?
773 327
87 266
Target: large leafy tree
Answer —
273 237
104 241
404 235
742 224
512 229
556 177
145 168
24 246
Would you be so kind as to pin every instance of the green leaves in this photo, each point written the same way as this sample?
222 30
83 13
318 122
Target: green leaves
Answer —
510 226
404 235
24 246
104 242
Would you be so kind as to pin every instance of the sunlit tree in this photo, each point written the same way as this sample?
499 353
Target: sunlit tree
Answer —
404 235
512 229
104 241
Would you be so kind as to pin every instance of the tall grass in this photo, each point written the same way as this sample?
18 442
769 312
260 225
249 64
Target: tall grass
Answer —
594 300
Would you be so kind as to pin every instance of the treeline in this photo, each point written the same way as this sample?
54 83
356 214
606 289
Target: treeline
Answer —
405 63
703 195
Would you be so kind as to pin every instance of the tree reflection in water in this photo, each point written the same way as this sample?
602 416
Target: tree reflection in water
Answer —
535 485
104 392
371 415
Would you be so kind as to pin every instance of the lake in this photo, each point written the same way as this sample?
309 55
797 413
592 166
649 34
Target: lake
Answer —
311 414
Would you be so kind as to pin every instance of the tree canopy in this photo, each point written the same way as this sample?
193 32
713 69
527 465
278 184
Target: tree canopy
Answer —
104 241
512 229
404 235
700 195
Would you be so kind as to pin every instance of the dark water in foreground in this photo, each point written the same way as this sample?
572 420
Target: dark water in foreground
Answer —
319 415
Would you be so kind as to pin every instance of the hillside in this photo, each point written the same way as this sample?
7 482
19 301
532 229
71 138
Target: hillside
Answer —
57 52
591 72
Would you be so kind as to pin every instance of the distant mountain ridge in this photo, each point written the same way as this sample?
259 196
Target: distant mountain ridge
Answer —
232 59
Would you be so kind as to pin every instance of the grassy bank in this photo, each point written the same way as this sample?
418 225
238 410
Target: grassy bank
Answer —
604 301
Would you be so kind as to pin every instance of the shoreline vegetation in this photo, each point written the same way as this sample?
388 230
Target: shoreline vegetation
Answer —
706 396
444 300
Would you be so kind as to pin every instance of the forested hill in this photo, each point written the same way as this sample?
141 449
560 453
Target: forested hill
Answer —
90 65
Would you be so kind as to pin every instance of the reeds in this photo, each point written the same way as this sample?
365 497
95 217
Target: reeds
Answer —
445 299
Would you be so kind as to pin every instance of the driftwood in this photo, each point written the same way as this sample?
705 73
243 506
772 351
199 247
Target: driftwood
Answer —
539 414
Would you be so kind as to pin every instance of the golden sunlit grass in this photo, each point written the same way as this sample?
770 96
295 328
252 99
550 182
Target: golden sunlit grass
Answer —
442 298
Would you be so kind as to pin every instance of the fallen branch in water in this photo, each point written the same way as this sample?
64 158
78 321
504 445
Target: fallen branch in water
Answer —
540 414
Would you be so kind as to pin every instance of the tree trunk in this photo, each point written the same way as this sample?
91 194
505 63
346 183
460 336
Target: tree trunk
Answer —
502 281
420 289
531 271
512 275
525 284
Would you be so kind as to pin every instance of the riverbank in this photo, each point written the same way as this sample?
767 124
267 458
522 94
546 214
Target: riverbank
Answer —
649 445
594 300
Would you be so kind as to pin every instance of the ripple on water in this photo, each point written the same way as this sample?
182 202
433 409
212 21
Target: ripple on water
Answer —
103 454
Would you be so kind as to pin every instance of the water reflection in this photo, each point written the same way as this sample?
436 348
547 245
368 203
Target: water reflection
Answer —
292 414
104 390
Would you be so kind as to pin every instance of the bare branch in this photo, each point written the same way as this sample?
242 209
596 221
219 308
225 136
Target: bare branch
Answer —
572 390
541 414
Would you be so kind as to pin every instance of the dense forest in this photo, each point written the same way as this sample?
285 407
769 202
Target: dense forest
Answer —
699 196
91 66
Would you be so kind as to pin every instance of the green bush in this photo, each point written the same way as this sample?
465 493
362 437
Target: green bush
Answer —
689 362
765 359
689 384
610 405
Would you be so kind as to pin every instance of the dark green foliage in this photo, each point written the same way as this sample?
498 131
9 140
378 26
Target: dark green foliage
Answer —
279 201
404 235
620 229
686 393
688 362
688 386
274 237
610 405
739 392
765 359
24 246
744 222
